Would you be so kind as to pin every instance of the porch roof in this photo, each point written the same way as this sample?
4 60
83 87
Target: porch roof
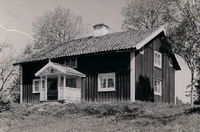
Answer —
61 68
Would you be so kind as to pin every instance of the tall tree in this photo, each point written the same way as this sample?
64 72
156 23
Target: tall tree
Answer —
56 26
183 27
143 14
7 70
184 34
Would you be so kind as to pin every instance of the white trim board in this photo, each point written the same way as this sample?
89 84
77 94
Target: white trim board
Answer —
150 37
132 76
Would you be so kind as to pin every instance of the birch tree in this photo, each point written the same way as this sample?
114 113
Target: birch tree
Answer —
143 14
184 34
57 26
7 70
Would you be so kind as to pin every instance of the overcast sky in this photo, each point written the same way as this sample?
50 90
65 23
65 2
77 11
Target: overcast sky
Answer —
19 14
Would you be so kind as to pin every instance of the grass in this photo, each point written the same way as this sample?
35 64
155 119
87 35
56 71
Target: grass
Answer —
121 116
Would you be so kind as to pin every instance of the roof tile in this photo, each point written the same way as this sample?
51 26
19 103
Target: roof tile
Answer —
108 42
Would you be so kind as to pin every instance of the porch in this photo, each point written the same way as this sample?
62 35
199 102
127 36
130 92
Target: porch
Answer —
59 83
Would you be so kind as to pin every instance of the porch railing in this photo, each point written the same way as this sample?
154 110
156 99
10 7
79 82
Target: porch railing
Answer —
70 94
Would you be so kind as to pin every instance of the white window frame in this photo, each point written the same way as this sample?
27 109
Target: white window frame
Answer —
106 76
158 85
157 63
35 80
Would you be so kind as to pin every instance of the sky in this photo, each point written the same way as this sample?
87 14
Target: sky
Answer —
17 16
20 14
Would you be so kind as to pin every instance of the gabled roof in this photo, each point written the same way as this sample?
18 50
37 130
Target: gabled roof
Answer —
109 42
61 68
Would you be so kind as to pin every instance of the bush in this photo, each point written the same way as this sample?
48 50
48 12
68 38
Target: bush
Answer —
5 101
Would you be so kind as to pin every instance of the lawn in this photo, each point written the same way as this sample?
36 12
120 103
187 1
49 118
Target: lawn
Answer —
122 116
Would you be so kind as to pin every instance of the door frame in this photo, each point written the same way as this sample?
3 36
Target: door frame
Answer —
57 80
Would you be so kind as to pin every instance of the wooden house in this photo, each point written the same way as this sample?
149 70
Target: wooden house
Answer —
122 66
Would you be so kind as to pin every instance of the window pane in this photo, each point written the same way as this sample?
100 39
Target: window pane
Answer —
67 62
110 83
103 83
71 82
155 85
37 85
159 86
73 62
43 84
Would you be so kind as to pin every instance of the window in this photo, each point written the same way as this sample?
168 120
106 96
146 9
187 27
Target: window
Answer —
157 59
36 86
157 87
71 82
106 82
71 62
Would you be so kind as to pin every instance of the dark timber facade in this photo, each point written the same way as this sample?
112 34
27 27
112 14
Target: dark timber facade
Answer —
133 74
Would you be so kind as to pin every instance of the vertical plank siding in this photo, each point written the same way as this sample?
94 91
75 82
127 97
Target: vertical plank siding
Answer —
27 78
90 65
145 68
118 62
105 63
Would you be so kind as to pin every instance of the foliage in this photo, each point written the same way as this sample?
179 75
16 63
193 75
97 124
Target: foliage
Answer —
8 75
56 26
118 116
5 101
143 14
183 22
184 36
144 91
28 49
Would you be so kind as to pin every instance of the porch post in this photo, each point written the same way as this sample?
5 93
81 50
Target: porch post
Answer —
21 83
59 88
46 87
64 87
41 90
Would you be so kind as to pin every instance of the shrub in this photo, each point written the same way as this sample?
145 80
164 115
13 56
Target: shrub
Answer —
5 101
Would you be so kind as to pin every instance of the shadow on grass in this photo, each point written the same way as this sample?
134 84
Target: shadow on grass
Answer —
195 110
167 119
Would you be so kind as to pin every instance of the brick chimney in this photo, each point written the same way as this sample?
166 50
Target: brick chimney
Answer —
100 29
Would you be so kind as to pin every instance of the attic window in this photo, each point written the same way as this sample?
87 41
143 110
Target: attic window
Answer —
157 59
71 62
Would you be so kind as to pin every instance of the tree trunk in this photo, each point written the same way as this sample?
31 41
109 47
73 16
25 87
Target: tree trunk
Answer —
192 88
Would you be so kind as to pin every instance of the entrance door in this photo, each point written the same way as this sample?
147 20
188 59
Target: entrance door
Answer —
52 89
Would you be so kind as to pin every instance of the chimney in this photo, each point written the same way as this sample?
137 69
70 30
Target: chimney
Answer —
100 29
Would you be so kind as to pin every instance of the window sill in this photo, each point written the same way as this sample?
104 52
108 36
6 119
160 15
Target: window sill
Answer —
35 92
106 90
156 93
160 67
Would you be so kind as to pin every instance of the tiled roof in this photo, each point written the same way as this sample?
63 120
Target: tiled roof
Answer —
108 42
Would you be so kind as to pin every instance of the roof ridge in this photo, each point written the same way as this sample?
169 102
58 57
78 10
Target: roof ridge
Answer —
91 44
